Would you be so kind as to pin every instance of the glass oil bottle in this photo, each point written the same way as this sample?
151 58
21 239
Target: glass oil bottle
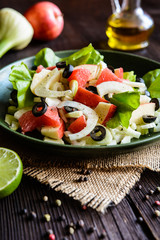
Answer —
129 27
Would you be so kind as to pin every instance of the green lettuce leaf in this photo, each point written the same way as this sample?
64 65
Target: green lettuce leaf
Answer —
21 78
130 76
86 55
152 81
126 103
46 57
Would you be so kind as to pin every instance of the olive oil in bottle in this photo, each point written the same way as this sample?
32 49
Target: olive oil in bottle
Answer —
129 27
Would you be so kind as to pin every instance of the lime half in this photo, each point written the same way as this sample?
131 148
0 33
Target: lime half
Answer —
11 170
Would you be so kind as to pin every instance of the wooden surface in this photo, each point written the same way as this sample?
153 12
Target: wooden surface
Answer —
84 23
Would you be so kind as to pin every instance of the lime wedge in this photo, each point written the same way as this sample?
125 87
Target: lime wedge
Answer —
11 170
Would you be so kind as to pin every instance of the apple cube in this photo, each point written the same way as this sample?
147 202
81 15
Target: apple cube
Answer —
53 132
105 112
143 109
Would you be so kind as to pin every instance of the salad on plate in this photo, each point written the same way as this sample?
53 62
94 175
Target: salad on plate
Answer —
81 100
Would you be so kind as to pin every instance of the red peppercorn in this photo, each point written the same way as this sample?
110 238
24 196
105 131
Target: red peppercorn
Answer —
52 237
157 203
84 207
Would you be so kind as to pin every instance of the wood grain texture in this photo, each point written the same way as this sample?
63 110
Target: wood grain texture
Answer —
84 23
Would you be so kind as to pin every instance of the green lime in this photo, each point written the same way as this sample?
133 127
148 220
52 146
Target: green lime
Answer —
11 170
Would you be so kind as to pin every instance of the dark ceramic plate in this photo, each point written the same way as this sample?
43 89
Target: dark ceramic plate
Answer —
129 62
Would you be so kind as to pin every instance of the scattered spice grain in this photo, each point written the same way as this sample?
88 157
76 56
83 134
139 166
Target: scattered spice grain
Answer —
147 197
80 223
85 179
32 215
45 198
71 230
158 189
91 230
52 237
157 213
102 235
24 211
151 191
47 217
58 202
140 219
157 203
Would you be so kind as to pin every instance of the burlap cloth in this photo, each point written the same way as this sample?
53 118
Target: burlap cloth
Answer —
110 180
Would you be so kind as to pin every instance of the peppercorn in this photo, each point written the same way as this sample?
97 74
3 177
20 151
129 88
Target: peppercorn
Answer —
147 197
102 235
157 213
139 187
45 198
140 219
80 223
71 230
151 191
84 207
88 172
91 230
24 211
32 215
80 179
85 179
157 203
52 237
58 202
158 189
47 217
61 218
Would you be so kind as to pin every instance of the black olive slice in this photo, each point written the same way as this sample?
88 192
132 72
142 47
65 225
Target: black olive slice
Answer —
13 95
39 109
70 109
92 89
138 79
61 64
148 118
157 103
111 68
106 97
98 133
68 71
147 93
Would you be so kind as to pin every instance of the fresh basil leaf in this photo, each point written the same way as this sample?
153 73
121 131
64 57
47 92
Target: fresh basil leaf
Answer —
151 76
46 57
152 81
21 78
126 103
154 88
114 121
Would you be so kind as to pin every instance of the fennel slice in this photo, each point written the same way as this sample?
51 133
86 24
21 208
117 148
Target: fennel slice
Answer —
91 115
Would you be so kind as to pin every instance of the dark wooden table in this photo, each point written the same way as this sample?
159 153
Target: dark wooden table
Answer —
84 23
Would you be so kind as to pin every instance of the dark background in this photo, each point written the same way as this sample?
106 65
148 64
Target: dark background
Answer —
85 22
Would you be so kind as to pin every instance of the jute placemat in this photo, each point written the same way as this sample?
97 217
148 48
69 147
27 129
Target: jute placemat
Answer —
110 180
